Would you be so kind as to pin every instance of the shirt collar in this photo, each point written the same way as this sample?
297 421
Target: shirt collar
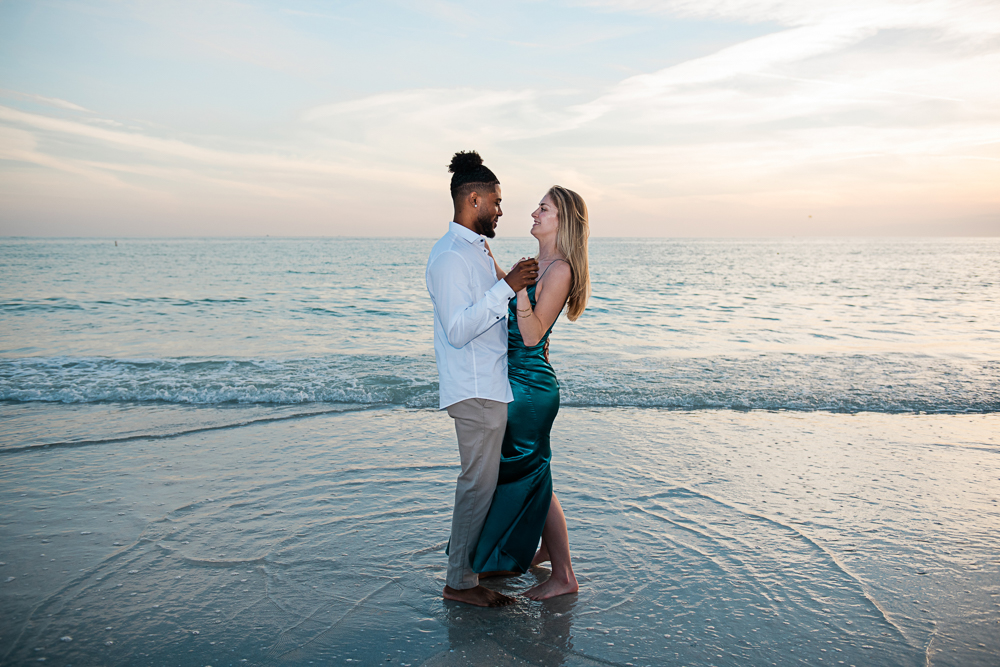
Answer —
465 233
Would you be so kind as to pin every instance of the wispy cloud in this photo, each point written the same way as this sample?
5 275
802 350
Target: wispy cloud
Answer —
20 146
970 16
317 15
451 12
821 78
443 116
192 153
886 103
41 99
825 38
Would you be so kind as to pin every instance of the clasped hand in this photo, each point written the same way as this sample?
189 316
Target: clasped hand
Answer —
522 274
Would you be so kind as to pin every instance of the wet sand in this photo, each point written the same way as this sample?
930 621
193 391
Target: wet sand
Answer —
167 537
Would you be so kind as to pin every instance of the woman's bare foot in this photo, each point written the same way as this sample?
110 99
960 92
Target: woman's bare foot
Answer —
555 549
541 556
499 573
480 596
554 587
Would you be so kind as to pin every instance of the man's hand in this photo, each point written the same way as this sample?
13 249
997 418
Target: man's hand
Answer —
523 274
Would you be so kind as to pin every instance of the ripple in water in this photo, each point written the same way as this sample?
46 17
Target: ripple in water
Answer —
322 538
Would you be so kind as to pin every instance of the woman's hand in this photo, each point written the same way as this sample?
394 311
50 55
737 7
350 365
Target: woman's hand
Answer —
501 274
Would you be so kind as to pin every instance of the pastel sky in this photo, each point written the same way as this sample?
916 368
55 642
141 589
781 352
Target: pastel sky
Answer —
670 117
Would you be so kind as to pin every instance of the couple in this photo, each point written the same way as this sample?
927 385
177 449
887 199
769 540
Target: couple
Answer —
489 324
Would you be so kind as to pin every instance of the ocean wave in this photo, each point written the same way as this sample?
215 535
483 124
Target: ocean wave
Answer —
365 380
55 304
857 383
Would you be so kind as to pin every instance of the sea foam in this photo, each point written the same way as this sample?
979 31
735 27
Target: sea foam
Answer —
855 383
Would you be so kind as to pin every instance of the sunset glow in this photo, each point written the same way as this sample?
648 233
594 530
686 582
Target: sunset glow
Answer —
673 118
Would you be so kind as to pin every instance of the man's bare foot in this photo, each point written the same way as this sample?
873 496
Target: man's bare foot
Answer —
480 596
541 556
552 588
499 573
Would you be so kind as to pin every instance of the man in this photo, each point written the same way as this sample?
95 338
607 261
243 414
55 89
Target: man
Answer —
470 346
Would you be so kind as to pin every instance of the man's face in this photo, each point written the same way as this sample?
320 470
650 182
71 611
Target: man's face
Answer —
489 213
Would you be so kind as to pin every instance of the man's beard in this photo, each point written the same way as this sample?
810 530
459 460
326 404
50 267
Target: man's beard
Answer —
484 225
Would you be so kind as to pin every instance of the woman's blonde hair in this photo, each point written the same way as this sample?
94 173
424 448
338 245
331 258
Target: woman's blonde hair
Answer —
571 240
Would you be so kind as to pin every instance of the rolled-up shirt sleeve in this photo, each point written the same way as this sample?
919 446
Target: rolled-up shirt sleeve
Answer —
449 280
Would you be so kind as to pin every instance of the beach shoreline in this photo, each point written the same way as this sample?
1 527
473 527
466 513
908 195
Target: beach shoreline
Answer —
319 537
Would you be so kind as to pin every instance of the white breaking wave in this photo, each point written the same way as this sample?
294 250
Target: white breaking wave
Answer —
854 383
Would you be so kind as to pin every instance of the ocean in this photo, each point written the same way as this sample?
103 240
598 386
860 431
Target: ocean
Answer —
842 326
227 451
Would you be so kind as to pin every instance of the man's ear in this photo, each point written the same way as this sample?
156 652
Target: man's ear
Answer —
473 199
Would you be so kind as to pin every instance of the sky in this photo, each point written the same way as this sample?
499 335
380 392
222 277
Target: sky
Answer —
674 118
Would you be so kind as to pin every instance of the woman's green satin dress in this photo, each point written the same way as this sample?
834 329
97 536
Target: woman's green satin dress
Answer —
524 489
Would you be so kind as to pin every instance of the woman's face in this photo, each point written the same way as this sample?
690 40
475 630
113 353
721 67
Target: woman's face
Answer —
545 219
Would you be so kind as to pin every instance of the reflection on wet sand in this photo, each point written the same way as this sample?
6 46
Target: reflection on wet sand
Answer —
711 538
528 633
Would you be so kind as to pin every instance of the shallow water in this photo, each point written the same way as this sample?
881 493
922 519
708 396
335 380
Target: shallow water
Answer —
771 452
704 537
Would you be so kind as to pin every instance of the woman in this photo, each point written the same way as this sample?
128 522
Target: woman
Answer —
524 506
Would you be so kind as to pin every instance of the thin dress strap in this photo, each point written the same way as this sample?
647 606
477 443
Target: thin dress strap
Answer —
539 278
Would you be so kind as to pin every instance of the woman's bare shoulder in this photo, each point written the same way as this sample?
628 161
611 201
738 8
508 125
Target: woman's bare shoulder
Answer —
560 267
558 275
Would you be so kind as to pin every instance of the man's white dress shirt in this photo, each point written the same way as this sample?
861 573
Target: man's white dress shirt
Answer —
470 318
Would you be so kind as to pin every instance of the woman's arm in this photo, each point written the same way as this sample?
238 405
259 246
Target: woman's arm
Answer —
501 274
551 294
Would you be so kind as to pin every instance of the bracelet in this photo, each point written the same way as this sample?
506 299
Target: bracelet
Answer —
526 310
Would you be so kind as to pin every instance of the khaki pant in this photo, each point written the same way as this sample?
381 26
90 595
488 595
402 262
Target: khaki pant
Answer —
479 424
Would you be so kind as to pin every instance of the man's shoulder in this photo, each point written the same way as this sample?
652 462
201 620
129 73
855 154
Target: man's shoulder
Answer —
449 244
443 244
446 259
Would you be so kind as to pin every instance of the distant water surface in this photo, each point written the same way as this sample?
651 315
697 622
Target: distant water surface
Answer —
839 325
